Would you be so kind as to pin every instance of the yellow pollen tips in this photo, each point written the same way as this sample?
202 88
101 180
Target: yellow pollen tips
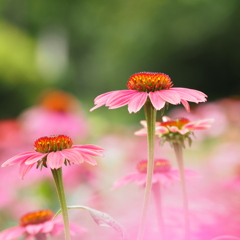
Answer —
160 166
36 217
52 143
149 82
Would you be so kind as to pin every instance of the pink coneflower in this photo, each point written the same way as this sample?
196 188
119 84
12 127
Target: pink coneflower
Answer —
173 130
162 174
146 85
37 225
54 152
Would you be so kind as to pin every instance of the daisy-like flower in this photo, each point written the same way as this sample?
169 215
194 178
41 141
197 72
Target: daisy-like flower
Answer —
162 174
175 130
37 225
54 152
147 85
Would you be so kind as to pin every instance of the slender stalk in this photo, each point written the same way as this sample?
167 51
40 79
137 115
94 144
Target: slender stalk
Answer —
158 201
57 175
150 113
179 155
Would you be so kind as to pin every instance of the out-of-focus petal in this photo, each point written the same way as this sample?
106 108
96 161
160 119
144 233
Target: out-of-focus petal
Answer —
33 229
12 233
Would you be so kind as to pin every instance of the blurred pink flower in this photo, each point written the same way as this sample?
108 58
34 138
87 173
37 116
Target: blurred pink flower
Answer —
59 107
54 152
163 174
181 126
146 85
37 224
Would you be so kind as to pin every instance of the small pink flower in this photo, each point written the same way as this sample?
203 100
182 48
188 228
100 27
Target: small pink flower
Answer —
157 87
181 126
163 174
37 224
54 152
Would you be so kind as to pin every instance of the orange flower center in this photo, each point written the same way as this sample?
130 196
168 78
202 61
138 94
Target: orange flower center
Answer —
160 166
36 217
149 82
52 143
179 123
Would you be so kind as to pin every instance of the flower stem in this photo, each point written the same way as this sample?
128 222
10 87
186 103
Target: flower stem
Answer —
158 202
179 155
150 113
57 175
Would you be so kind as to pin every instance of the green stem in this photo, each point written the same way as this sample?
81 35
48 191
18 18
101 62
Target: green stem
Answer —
158 202
57 175
150 113
179 155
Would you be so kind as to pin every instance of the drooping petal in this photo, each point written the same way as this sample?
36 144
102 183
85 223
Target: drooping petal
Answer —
157 102
186 105
137 101
24 169
199 125
161 130
34 158
170 96
72 155
18 158
55 160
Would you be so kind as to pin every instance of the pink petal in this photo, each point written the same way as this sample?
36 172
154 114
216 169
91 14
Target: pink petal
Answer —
141 132
125 180
34 158
88 150
101 100
24 169
137 101
34 229
161 130
170 96
156 100
120 98
12 233
55 160
47 226
72 156
89 146
89 160
191 95
18 158
186 105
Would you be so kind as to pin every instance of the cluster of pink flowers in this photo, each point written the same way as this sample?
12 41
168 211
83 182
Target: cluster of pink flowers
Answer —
212 171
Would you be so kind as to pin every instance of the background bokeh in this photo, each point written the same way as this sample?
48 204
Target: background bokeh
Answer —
89 47
57 56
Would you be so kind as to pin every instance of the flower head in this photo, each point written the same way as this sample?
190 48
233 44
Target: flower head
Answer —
176 130
157 87
163 174
54 152
37 224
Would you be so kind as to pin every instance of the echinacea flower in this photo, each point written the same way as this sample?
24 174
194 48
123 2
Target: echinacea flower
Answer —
54 152
162 174
37 225
147 85
175 130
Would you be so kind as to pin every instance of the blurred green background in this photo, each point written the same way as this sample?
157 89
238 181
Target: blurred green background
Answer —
88 47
